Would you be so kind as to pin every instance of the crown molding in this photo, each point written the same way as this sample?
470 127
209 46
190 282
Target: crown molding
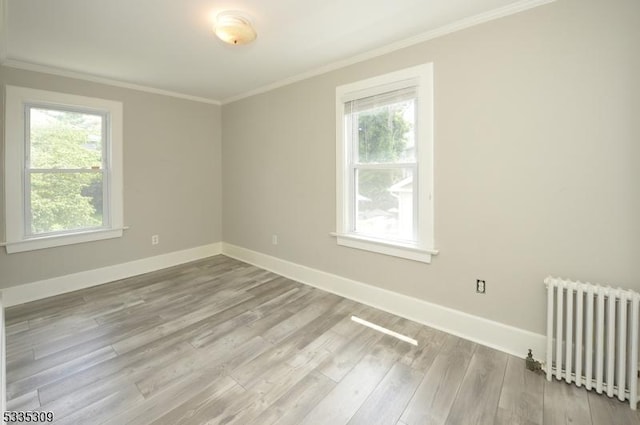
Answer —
491 15
28 66
511 9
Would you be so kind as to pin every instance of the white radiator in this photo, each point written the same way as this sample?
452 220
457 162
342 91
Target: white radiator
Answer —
592 337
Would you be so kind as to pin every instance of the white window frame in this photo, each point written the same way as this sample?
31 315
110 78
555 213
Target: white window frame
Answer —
421 77
17 100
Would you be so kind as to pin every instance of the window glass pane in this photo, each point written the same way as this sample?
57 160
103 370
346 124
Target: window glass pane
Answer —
384 133
384 203
65 201
64 140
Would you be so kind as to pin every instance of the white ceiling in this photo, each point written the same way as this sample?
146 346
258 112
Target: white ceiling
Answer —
169 44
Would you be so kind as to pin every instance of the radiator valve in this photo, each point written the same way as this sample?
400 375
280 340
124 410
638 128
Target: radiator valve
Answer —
532 364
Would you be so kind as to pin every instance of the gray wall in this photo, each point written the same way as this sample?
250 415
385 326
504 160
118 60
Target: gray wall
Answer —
172 181
537 145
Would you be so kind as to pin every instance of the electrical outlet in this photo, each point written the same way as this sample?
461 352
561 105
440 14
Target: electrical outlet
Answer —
481 286
155 240
274 239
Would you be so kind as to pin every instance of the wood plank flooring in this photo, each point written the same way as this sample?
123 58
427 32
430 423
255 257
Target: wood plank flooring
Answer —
219 341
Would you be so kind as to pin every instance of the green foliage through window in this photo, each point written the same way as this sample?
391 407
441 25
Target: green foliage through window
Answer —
383 137
66 176
382 134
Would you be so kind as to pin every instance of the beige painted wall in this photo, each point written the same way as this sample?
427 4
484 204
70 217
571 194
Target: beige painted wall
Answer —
172 184
537 145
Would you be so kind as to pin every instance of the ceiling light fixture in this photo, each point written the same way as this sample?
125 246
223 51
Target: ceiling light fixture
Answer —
234 28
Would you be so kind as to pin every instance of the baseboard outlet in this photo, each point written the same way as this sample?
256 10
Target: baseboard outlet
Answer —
72 282
487 332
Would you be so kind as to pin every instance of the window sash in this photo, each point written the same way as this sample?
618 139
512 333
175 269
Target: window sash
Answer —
28 216
16 133
104 169
351 134
104 132
358 105
353 191
422 248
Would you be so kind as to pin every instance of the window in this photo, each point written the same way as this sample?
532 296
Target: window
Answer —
63 164
385 164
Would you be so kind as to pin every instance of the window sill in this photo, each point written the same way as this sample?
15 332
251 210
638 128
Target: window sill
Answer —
61 240
407 251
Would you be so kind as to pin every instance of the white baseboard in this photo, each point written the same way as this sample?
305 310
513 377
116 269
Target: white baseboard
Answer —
72 282
493 334
487 332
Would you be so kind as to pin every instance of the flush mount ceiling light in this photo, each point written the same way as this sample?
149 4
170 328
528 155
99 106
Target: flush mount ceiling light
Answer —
234 28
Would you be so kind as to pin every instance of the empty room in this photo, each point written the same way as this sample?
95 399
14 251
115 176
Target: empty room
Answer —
302 212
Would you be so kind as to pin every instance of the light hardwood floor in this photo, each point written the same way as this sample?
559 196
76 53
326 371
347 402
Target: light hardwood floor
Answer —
219 341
